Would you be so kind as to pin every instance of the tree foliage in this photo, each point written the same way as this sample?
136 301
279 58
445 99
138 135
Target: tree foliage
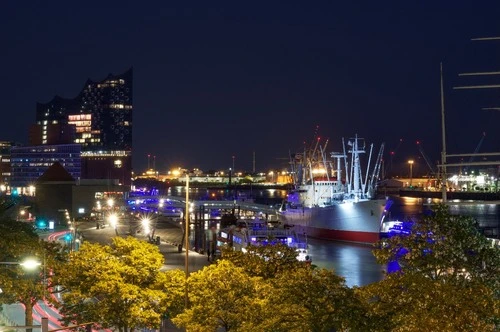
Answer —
266 261
310 299
444 244
118 285
19 243
222 296
270 291
448 278
174 286
414 302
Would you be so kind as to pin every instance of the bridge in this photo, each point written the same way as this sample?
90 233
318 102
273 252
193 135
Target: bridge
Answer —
164 202
202 219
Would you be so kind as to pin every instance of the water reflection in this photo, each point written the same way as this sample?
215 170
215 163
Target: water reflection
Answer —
487 214
353 262
261 196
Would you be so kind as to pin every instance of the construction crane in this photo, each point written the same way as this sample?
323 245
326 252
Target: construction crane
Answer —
378 163
426 158
476 150
393 152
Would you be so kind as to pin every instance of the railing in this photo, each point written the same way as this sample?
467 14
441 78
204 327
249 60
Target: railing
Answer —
300 245
495 242
6 321
271 232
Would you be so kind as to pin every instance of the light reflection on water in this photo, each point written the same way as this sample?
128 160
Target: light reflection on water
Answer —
353 262
487 214
221 193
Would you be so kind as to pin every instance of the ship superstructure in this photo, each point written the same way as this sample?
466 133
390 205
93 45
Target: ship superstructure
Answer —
333 198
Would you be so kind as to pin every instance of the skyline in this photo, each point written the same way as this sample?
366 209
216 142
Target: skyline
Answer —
239 78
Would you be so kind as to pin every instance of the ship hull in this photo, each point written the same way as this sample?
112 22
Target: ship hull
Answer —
353 222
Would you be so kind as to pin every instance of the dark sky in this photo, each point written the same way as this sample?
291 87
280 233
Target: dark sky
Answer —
217 79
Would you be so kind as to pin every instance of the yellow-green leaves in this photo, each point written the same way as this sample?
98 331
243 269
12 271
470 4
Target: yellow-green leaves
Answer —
449 278
119 285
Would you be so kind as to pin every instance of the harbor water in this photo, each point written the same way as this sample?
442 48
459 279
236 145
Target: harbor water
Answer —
355 262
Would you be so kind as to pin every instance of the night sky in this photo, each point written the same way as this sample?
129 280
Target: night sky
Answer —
217 79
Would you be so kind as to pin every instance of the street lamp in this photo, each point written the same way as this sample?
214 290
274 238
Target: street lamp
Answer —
271 173
113 221
30 264
410 162
145 226
187 240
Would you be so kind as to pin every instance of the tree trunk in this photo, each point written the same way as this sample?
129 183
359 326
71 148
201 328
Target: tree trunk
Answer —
28 316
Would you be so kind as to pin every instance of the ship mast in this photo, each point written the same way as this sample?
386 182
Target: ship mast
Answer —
356 167
347 178
443 133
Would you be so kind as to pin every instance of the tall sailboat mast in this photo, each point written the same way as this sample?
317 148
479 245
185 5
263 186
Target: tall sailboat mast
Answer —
443 133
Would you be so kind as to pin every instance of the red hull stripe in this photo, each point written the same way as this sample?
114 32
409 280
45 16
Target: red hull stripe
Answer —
350 236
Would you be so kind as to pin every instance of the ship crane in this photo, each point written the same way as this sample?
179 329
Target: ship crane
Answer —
471 159
393 153
426 158
339 156
378 164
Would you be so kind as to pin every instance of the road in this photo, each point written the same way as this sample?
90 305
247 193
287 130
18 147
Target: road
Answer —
170 234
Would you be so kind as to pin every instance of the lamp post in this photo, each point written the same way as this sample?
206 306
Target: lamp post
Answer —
187 240
410 162
271 173
113 221
31 264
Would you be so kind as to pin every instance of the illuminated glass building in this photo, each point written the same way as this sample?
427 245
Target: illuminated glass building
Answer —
99 119
28 163
5 168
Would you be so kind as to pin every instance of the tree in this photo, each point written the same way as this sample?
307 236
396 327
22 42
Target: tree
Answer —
444 245
310 299
448 278
266 261
414 302
19 285
174 285
271 292
222 295
118 285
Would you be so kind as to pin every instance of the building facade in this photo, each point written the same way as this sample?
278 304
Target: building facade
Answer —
51 134
5 167
99 119
28 163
